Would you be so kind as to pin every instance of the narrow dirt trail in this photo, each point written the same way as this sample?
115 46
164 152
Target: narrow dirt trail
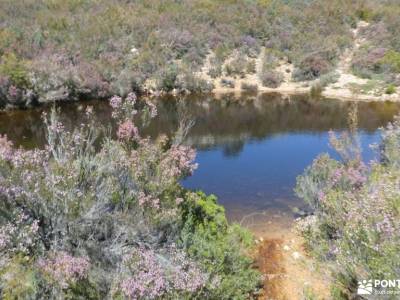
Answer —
345 60
341 87
289 272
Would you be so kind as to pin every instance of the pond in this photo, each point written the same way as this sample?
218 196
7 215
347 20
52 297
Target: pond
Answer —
250 148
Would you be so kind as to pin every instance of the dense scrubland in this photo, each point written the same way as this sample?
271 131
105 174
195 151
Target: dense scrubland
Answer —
63 50
354 230
92 217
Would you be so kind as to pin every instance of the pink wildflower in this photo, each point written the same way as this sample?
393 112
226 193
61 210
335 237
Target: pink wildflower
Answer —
116 102
148 200
131 98
152 277
64 268
385 226
127 131
182 158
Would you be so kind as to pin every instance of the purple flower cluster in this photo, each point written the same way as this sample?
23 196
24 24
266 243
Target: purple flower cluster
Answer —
65 269
154 275
148 200
123 109
127 130
181 160
356 176
149 278
386 226
116 102
20 235
150 162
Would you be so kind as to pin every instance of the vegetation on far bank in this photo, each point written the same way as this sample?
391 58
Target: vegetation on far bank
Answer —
63 50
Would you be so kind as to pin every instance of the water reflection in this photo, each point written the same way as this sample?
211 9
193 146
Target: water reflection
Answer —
250 149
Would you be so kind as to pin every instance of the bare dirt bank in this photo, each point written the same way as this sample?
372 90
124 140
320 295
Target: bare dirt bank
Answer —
289 272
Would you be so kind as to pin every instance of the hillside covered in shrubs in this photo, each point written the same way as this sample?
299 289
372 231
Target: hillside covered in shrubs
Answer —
94 217
54 50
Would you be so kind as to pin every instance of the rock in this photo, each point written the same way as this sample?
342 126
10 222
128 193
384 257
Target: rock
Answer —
296 255
134 51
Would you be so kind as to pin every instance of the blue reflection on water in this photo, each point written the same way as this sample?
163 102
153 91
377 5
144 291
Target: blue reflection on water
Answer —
263 174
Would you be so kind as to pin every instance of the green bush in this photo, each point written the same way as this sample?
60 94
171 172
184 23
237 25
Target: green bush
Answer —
166 78
312 67
391 89
15 69
365 13
392 59
193 83
251 67
329 78
272 79
7 38
249 87
237 67
316 90
215 71
222 248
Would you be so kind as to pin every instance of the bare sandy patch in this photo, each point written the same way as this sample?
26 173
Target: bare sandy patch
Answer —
289 272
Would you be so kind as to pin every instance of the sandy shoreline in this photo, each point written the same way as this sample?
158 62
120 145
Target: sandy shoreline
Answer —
343 94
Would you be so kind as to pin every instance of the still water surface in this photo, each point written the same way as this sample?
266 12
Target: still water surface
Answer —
250 149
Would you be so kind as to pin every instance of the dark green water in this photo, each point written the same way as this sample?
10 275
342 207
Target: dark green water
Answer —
250 149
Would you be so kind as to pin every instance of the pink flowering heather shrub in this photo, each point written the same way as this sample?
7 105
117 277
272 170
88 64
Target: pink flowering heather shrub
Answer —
312 67
93 217
18 236
356 222
64 269
127 130
367 62
152 275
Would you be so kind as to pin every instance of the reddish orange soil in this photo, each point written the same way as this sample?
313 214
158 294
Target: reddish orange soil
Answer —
289 272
